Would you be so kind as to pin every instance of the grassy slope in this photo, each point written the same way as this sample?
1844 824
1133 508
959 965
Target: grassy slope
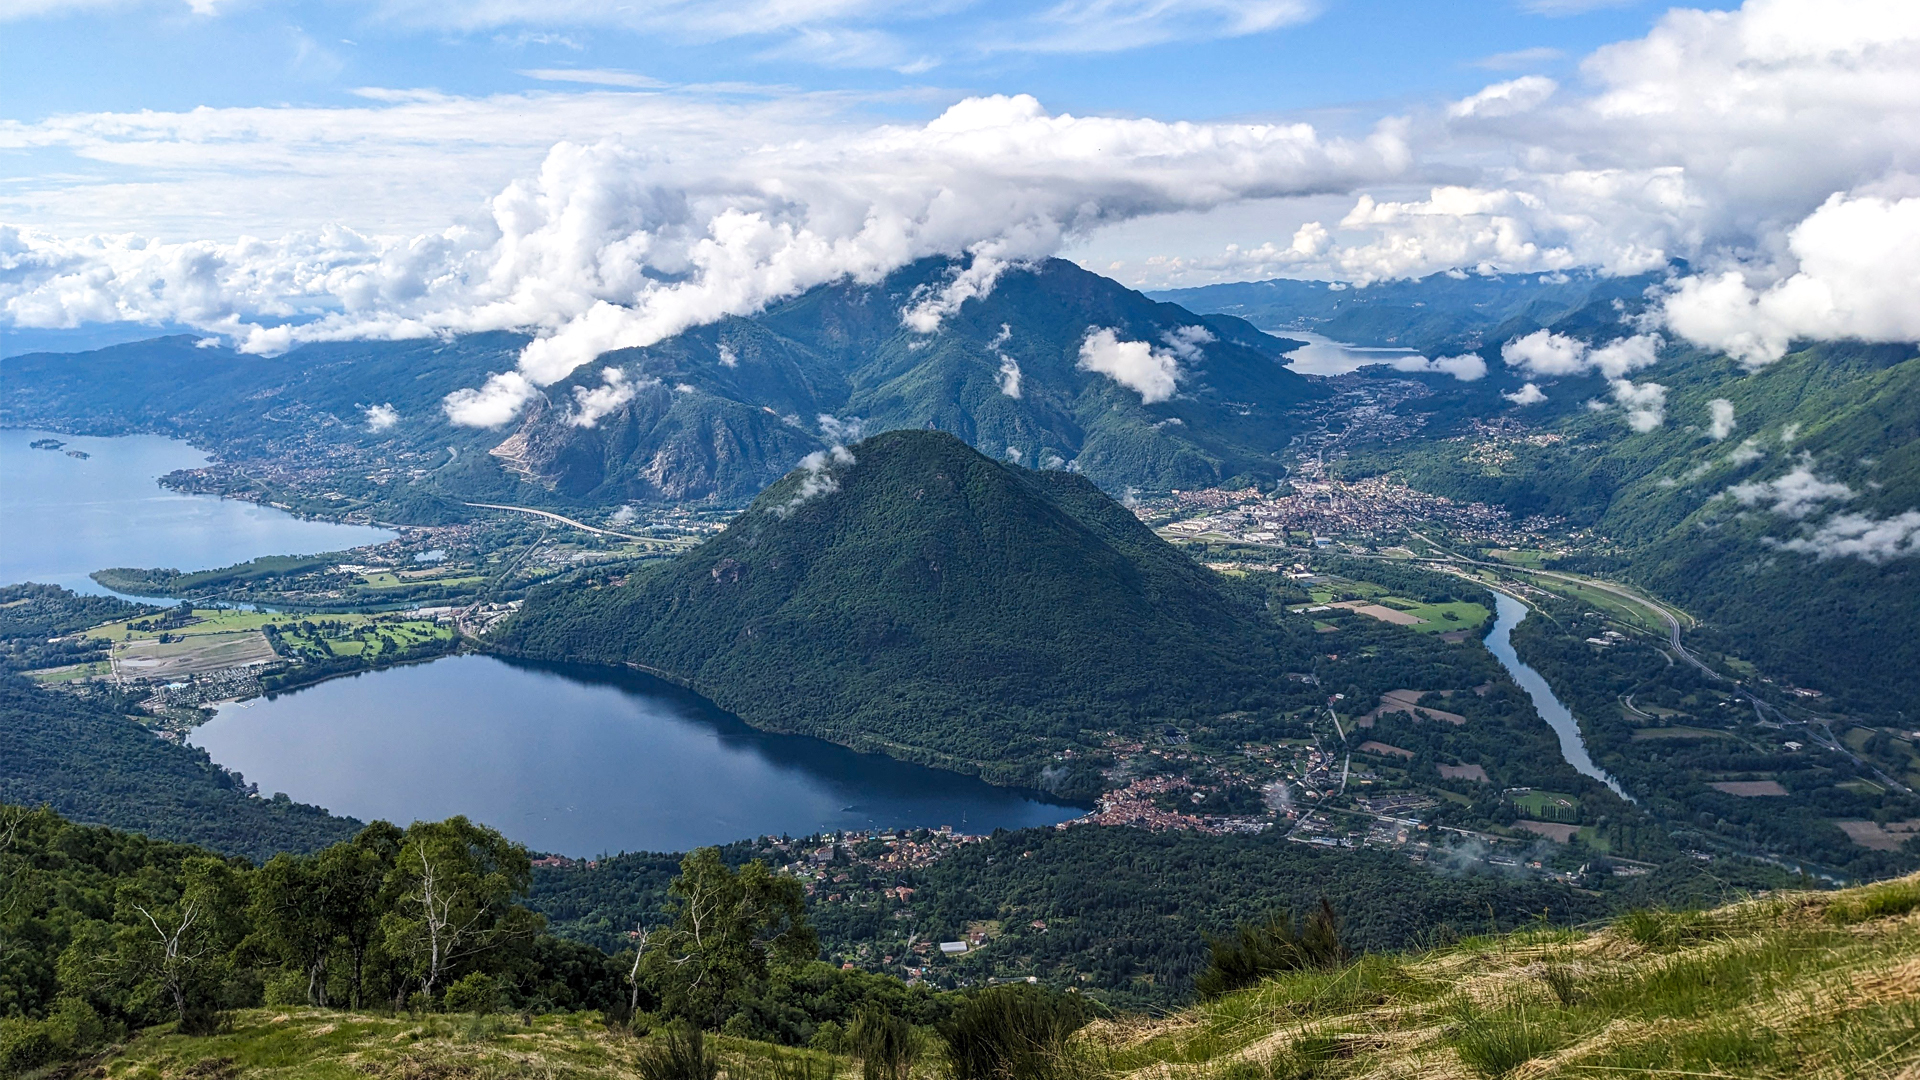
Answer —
1801 985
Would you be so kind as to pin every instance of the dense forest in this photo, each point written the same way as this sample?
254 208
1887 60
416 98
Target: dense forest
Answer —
1134 933
912 597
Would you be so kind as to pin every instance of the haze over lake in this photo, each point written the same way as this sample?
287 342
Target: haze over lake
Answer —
63 517
581 761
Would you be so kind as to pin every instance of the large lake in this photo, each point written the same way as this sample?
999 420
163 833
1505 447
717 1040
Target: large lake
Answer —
63 517
580 761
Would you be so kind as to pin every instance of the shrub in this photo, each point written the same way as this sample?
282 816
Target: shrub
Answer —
1254 952
1012 1033
24 1044
885 1044
1875 902
473 993
679 1054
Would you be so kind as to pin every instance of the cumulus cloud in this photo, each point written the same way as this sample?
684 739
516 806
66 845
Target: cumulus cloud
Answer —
1466 367
613 245
1548 354
1645 403
381 417
1794 495
1720 419
593 403
493 404
1152 373
1530 394
852 429
1862 536
1858 269
816 477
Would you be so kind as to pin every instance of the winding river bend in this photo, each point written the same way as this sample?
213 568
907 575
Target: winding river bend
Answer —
1507 614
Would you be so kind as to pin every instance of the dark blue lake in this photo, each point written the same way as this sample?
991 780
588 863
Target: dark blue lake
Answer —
581 761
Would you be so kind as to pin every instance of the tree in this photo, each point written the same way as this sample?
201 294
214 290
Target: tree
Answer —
175 951
450 892
359 869
730 930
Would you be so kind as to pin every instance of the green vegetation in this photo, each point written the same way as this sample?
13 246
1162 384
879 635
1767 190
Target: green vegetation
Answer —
85 758
174 583
920 600
39 624
1778 987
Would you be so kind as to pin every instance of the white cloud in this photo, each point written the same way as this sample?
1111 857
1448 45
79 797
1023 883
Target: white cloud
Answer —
1530 394
615 245
1645 403
1505 99
494 404
852 429
728 358
1862 536
1794 495
817 477
595 77
1548 354
1858 272
1467 367
1746 453
593 403
1720 419
1152 373
381 417
1185 341
1519 58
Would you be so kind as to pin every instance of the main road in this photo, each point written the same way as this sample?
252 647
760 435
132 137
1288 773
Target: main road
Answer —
581 525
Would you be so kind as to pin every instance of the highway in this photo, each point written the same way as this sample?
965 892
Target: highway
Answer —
581 525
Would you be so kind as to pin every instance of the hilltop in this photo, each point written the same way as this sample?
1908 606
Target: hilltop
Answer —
911 596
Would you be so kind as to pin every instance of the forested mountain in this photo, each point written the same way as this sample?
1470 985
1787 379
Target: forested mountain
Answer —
911 596
1166 399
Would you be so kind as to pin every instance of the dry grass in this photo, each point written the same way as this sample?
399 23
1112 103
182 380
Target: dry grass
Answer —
1807 986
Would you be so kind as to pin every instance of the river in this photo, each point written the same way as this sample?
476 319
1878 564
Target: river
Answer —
581 761
63 516
1507 614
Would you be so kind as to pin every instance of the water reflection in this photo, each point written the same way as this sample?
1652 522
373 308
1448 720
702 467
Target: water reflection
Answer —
582 761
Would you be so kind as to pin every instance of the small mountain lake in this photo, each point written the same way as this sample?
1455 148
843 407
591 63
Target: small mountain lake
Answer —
581 761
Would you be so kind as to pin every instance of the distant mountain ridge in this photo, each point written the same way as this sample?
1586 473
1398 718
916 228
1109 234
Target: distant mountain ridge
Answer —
727 408
910 596
1448 312
722 410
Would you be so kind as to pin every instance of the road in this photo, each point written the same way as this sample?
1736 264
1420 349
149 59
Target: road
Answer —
581 525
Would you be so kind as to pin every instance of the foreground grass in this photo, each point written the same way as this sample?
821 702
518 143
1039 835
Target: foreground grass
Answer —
329 1045
1807 986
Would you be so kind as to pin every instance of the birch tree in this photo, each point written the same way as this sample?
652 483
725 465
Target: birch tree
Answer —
730 930
451 889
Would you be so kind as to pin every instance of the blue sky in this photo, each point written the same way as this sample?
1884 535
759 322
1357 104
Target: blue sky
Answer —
1343 54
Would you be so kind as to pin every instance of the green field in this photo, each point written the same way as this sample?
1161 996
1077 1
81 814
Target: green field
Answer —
369 636
72 672
205 621
1548 805
1439 618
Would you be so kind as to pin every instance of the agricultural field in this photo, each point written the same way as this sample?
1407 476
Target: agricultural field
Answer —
1547 805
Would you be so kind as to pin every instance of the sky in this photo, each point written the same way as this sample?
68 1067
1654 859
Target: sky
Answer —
605 175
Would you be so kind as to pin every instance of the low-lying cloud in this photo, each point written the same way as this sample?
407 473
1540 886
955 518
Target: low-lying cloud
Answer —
1152 373
1794 495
